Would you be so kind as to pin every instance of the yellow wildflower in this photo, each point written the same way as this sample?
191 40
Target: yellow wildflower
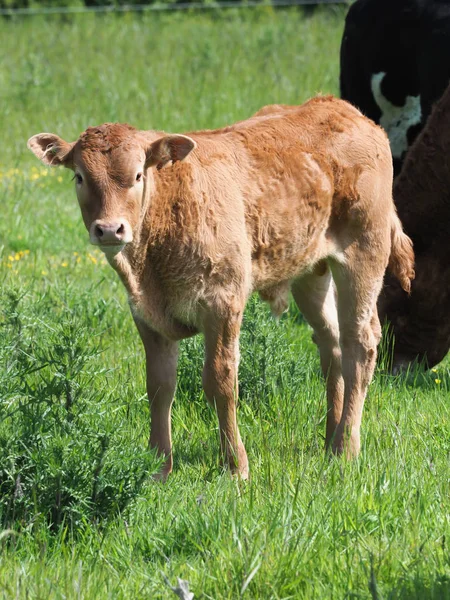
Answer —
43 272
437 381
434 370
64 264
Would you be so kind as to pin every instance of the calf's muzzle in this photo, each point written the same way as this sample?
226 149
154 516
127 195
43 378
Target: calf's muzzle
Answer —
115 232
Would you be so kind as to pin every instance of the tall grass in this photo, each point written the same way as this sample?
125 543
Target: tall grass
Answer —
80 516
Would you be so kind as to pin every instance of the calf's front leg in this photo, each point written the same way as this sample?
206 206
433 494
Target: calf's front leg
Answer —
161 360
220 383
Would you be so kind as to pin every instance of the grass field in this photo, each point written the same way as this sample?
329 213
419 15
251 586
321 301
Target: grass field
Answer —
80 516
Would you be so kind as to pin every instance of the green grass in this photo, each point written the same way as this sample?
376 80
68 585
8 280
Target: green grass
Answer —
80 516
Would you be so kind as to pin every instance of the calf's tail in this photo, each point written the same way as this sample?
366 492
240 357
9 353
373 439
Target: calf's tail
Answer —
401 260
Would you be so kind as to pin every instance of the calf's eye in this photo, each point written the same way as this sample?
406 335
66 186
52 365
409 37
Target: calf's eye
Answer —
78 178
139 177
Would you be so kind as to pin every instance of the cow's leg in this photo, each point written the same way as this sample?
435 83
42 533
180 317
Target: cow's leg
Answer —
220 383
161 360
314 295
358 283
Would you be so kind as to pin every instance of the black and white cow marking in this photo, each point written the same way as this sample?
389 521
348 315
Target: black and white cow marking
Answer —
395 63
396 120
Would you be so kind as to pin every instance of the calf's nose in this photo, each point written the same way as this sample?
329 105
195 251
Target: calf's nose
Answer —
110 233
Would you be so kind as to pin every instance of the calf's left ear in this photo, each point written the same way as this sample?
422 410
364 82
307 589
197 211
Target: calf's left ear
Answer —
170 147
51 149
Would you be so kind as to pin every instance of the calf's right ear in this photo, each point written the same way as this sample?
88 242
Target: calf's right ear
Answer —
51 149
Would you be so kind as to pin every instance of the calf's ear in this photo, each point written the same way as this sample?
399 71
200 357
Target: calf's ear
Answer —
170 147
51 149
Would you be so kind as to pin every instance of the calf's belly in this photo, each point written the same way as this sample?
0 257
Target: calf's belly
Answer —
287 261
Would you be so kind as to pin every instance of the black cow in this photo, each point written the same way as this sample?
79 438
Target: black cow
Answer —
395 63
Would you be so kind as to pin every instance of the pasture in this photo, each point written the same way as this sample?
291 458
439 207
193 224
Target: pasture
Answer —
80 516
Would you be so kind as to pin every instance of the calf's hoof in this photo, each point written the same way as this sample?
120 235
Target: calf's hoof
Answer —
165 470
346 443
241 472
238 465
161 476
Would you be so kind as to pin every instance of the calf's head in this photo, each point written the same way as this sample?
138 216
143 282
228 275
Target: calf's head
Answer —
113 172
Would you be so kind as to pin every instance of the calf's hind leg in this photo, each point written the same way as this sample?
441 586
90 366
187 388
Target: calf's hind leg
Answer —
315 297
358 283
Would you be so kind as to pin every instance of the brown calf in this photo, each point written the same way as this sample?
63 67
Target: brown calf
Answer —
294 198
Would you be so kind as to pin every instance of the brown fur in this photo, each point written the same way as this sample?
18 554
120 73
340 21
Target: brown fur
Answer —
401 258
293 198
420 322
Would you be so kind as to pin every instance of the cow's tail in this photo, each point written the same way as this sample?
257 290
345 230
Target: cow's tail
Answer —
401 260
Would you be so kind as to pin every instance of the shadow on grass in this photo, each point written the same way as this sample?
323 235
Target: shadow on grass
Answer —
420 589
